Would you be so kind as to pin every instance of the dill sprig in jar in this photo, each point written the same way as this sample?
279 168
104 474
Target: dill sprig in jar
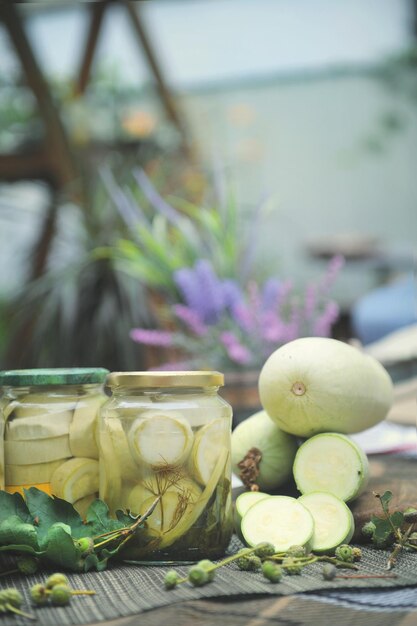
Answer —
166 436
49 418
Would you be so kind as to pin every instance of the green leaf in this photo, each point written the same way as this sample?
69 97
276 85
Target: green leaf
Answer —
92 561
385 500
13 504
382 528
21 548
47 510
99 521
61 549
123 517
14 531
397 519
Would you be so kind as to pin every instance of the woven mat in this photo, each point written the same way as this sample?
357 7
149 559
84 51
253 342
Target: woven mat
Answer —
125 590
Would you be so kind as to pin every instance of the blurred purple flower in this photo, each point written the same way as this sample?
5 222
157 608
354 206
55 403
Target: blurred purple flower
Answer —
160 338
333 268
237 352
270 293
202 291
324 322
190 319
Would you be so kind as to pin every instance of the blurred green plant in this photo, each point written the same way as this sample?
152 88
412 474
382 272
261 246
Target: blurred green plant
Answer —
168 235
80 311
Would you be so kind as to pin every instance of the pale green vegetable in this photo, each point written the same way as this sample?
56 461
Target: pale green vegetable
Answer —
110 477
242 505
38 427
277 449
128 468
280 520
82 429
81 505
38 404
333 521
31 474
159 439
36 451
162 483
75 479
208 442
331 462
317 384
194 512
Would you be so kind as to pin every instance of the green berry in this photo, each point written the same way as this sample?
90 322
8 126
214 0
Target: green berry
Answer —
255 563
368 529
243 563
329 571
56 579
198 576
263 550
60 595
206 564
39 594
27 565
11 596
357 554
383 542
291 566
297 551
171 579
271 571
344 553
410 515
86 545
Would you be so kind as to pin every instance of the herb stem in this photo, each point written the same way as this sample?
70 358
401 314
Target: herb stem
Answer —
126 531
229 559
13 609
347 576
82 592
10 571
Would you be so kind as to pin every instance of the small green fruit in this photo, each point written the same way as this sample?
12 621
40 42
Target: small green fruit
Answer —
329 571
39 594
86 545
56 579
60 595
171 579
271 571
198 576
27 565
11 596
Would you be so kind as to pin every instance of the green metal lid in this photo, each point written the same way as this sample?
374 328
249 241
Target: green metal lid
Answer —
53 376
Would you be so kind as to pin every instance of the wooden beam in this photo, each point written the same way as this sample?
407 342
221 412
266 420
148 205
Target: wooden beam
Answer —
160 82
56 141
25 166
96 10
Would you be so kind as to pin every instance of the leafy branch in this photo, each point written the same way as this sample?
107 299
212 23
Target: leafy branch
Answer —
50 530
392 530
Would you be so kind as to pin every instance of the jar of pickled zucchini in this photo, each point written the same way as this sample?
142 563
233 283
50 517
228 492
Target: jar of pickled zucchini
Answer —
164 441
49 420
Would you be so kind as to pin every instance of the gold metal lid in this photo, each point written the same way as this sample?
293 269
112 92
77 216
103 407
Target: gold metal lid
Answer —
165 379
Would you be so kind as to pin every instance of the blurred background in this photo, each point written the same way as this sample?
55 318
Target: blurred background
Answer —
240 146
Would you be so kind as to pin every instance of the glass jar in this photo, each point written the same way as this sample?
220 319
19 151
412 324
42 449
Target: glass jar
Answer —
49 419
164 437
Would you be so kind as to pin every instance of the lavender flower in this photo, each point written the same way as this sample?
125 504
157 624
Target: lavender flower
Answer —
201 290
237 352
333 269
159 338
219 325
191 319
